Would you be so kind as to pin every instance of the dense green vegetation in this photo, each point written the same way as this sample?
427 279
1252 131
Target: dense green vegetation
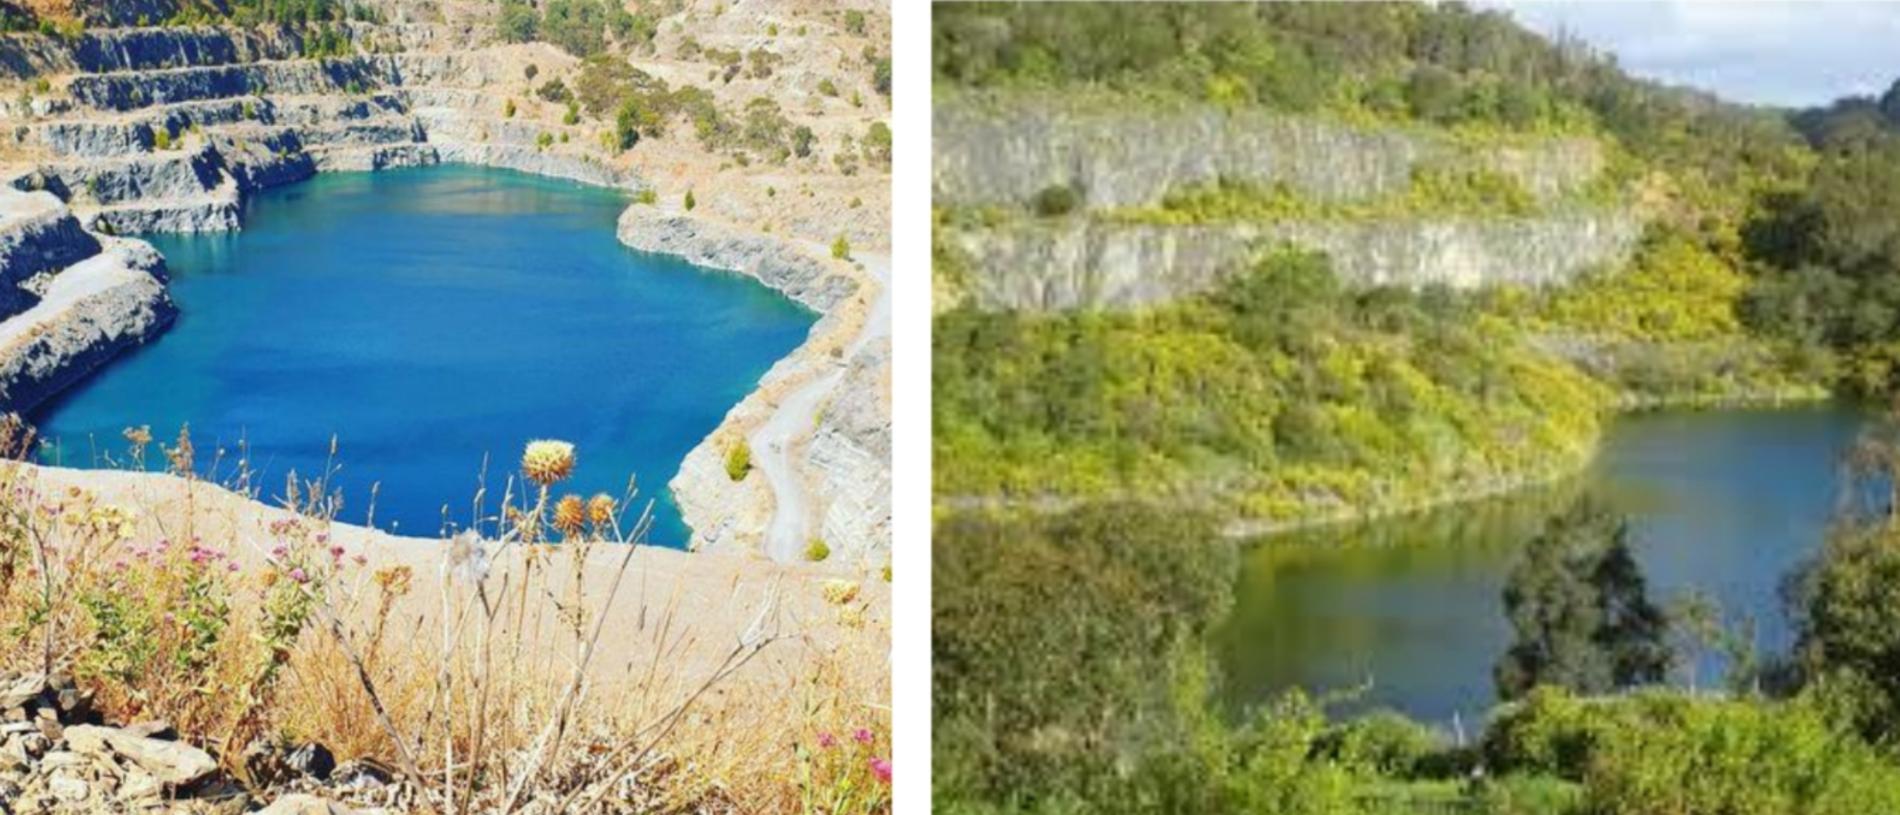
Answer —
642 105
1436 192
1071 676
1284 395
273 12
583 28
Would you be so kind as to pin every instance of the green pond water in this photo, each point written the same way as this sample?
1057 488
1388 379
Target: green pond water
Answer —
433 321
1727 502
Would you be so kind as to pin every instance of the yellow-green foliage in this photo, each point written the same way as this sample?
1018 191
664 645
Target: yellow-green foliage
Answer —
1675 290
1283 395
841 248
817 550
1667 752
1433 192
739 460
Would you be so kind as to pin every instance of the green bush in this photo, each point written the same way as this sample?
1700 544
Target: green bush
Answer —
817 551
690 202
841 248
739 461
1056 200
1663 751
1061 645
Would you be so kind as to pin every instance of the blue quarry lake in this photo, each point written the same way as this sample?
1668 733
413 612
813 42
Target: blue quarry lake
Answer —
1409 610
433 321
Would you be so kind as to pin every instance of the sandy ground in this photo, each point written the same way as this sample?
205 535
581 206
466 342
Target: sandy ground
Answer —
684 611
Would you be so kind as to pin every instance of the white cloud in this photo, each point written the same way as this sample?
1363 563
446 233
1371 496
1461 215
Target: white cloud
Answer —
1780 52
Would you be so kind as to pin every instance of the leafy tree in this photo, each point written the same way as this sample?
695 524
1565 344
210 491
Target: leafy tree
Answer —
802 139
627 126
1848 598
1580 608
877 144
518 21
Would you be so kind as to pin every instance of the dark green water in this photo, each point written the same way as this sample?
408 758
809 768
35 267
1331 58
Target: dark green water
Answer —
1727 502
435 320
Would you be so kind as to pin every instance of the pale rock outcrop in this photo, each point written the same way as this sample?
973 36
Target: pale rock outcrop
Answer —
1001 151
1006 149
1082 263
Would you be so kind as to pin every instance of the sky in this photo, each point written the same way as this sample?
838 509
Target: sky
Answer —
1779 52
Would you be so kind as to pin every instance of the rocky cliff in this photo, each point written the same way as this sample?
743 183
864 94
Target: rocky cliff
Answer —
78 299
1082 263
1001 152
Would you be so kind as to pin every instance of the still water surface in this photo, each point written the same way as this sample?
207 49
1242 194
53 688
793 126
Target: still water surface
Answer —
1727 502
432 320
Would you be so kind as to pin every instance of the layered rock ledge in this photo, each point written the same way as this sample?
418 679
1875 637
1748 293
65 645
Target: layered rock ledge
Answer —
997 154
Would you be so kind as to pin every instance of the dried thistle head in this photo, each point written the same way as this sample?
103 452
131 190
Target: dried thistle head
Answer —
394 580
570 515
547 462
600 510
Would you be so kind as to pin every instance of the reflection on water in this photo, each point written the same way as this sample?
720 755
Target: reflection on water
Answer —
1727 502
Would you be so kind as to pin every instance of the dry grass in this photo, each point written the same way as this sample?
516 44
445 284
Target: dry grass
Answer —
483 686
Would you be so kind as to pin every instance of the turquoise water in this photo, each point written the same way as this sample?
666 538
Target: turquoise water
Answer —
1725 502
433 321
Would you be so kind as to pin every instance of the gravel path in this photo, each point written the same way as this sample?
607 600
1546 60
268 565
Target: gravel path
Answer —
787 535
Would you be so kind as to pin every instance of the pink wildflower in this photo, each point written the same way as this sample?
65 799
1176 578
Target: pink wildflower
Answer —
863 736
827 741
298 575
881 767
231 567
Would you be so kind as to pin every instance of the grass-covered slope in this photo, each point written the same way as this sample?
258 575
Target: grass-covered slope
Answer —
1284 396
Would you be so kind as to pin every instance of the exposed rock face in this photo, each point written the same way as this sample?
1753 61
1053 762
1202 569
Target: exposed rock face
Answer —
848 457
774 262
992 151
37 235
1004 150
1080 263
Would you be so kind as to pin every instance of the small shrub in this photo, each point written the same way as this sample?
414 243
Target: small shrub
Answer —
1056 200
646 196
841 248
739 461
572 116
827 87
544 141
508 109
162 138
531 71
817 551
690 201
